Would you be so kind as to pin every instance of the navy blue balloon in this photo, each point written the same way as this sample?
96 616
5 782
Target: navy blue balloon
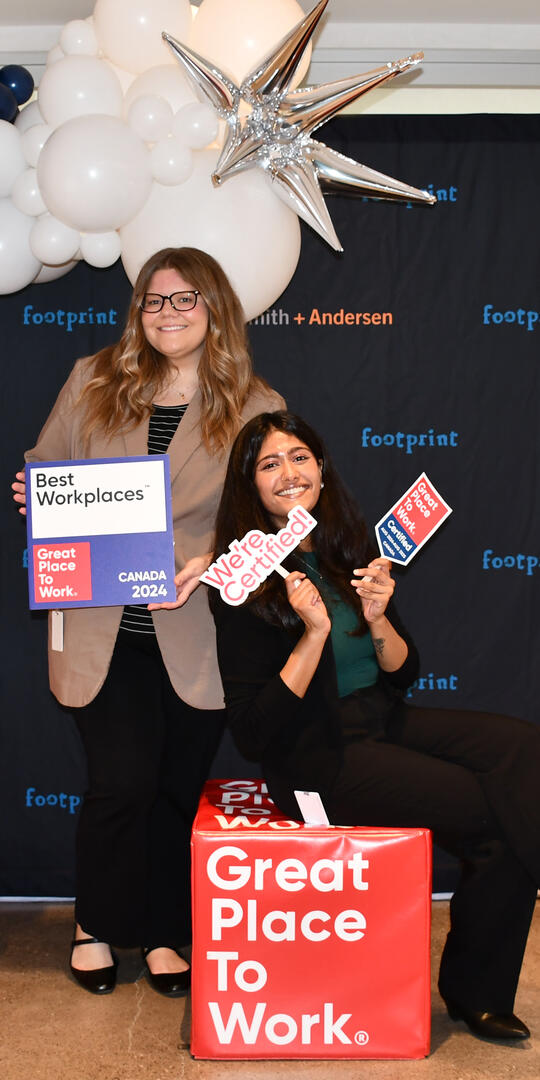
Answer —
18 80
8 105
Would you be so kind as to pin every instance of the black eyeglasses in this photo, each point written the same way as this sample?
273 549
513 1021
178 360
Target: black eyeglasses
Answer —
180 301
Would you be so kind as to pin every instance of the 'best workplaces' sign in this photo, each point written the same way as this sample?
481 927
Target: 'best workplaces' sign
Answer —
100 532
411 521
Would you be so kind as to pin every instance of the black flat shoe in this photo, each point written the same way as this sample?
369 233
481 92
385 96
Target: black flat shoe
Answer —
99 980
170 983
489 1025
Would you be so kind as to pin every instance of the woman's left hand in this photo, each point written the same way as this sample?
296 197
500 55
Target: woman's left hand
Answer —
375 586
186 581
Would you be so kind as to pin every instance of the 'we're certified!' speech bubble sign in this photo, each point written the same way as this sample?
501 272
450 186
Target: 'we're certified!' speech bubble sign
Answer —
249 561
411 521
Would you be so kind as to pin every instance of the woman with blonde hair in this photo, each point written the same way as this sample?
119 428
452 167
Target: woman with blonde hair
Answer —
144 682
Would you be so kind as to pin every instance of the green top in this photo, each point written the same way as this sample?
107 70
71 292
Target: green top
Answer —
356 664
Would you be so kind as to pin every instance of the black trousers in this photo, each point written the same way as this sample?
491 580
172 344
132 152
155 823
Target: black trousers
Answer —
148 756
472 778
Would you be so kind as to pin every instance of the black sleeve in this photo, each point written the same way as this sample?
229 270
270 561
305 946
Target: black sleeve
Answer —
261 709
251 653
408 672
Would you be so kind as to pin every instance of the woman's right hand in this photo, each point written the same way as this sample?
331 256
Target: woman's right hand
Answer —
307 602
19 488
303 661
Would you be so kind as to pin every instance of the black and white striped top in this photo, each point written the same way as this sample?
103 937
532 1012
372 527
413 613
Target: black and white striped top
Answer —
163 424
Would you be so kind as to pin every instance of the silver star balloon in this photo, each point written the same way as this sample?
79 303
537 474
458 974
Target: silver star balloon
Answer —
269 127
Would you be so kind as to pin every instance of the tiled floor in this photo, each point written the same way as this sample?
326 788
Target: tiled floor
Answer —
53 1030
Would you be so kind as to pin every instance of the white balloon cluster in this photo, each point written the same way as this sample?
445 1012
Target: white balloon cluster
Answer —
116 154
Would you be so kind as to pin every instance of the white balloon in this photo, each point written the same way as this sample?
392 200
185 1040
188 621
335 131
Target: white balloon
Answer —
196 124
236 34
162 81
94 173
248 229
54 54
12 159
100 249
28 116
78 36
33 140
51 273
151 117
18 265
53 242
129 31
125 78
26 195
78 86
172 161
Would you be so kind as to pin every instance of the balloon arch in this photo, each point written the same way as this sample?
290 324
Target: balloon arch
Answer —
119 156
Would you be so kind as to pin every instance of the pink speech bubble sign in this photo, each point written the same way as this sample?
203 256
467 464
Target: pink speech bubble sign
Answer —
252 559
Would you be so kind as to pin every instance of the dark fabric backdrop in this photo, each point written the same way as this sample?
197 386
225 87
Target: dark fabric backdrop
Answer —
453 358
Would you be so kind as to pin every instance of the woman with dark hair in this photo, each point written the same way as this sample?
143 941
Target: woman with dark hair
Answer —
144 682
314 670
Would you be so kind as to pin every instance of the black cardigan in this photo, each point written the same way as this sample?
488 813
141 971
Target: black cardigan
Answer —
297 741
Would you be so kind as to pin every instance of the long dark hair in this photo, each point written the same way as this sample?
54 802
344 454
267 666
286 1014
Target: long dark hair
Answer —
340 541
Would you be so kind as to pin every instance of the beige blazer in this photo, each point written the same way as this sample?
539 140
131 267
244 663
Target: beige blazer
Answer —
186 635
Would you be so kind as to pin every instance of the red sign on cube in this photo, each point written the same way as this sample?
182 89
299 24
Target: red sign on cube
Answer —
309 942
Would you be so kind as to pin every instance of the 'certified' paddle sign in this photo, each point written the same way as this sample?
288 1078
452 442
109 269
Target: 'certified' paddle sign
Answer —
411 521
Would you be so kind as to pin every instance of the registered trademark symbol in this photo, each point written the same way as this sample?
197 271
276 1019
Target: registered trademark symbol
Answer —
361 1037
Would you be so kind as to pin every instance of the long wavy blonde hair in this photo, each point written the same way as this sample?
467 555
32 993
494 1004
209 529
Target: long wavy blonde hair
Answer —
127 376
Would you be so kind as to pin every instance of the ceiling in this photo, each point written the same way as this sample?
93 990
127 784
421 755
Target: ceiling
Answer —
58 12
466 43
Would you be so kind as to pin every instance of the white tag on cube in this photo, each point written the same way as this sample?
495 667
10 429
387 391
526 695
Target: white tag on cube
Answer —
311 808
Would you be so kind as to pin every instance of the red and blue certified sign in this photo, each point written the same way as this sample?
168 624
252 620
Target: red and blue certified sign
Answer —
100 532
411 521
